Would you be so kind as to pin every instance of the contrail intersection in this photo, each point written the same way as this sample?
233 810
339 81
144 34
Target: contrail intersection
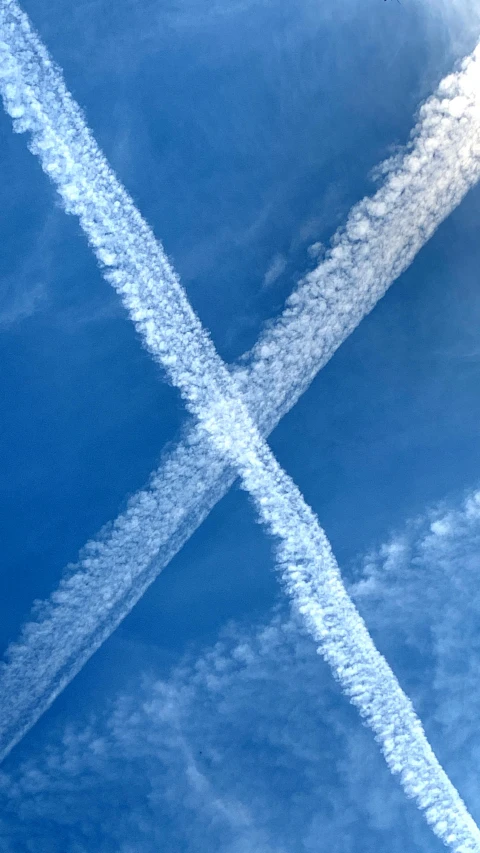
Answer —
135 264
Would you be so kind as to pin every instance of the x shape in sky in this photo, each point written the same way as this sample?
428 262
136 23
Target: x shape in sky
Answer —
381 238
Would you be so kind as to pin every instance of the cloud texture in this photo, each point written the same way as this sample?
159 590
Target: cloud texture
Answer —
136 265
421 185
249 746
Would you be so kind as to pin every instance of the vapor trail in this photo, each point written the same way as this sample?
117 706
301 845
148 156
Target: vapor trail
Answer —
382 235
136 266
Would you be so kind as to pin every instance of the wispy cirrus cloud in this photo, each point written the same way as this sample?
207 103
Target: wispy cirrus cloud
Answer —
26 288
275 269
19 303
249 745
436 560
243 749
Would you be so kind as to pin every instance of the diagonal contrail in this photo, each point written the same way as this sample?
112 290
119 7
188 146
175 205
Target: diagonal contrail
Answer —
136 266
382 235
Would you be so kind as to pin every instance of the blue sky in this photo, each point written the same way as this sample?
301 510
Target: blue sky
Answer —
244 134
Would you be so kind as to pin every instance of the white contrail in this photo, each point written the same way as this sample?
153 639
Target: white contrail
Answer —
136 266
422 185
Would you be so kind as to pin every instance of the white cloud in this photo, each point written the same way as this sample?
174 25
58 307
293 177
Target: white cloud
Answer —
276 268
425 582
26 288
316 249
249 746
18 302
241 750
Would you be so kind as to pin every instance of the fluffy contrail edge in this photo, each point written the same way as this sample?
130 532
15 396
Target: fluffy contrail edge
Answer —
382 235
135 264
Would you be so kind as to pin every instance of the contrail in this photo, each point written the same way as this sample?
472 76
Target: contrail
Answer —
136 266
422 185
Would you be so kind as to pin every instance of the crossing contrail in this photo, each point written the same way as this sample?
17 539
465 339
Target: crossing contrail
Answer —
421 186
135 264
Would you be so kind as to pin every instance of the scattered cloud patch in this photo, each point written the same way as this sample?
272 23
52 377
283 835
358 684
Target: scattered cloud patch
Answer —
249 745
19 302
276 268
316 250
26 289
246 749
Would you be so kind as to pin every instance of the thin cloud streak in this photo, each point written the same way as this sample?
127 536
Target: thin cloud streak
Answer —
135 264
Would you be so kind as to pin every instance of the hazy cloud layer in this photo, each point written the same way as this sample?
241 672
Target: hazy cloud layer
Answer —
249 746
